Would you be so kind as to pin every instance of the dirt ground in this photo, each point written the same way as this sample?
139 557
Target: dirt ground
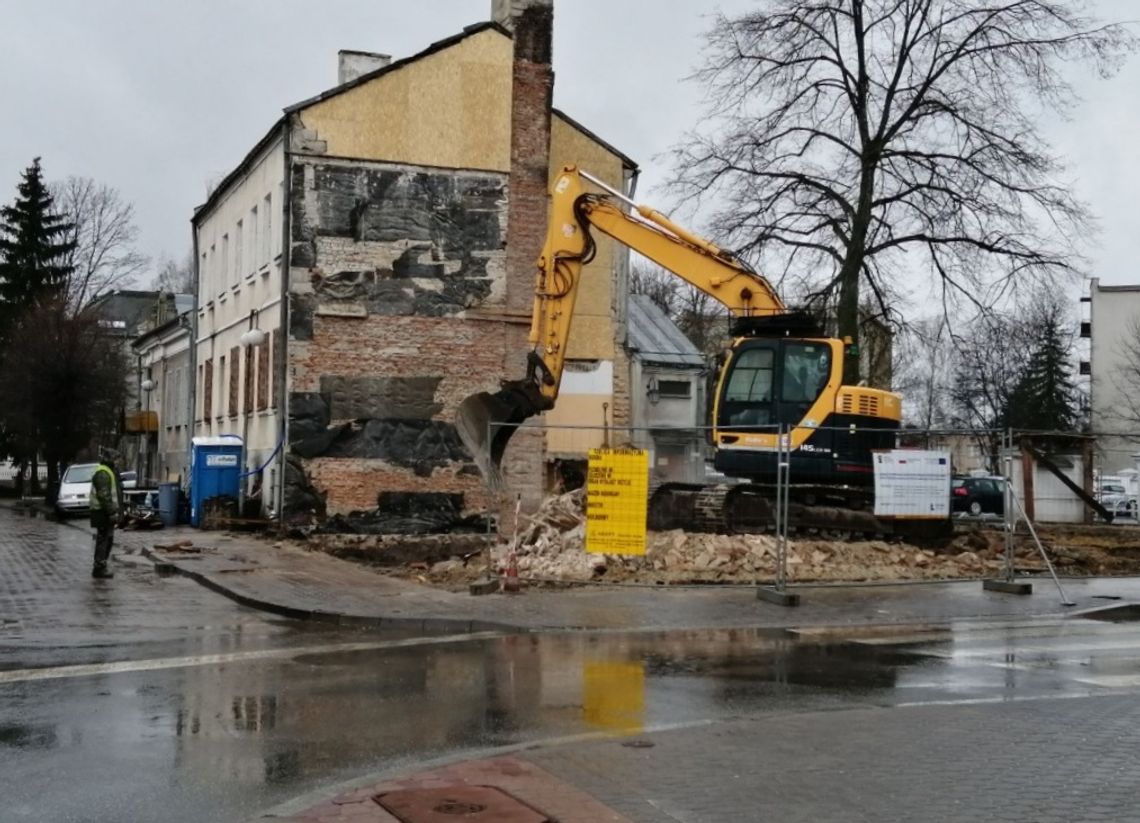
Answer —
551 551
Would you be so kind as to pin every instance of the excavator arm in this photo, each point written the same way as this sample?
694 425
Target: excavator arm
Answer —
486 421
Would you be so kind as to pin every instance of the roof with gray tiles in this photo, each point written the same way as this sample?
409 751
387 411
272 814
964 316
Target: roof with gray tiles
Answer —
654 338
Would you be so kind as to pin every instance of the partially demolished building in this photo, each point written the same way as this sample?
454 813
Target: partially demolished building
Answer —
356 280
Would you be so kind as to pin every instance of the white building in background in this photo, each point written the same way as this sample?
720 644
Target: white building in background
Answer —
163 361
238 240
1113 320
667 394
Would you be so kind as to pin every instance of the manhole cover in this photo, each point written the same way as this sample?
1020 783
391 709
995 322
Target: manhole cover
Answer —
455 807
639 744
474 804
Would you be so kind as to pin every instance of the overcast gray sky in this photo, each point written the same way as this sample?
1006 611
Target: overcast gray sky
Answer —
159 98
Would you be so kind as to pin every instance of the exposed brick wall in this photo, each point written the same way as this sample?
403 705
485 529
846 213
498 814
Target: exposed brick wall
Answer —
531 95
622 409
354 484
461 353
386 261
533 88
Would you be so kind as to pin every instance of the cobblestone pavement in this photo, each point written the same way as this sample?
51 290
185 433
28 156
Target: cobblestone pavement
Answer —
52 611
1035 761
312 584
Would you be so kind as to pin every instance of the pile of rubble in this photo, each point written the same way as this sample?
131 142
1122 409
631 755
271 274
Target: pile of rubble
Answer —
551 547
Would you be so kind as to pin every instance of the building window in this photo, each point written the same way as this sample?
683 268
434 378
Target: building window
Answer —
239 256
208 391
225 263
278 359
248 399
263 375
255 240
267 229
675 388
234 381
203 276
221 383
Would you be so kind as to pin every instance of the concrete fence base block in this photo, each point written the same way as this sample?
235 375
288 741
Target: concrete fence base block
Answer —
770 594
1008 586
486 586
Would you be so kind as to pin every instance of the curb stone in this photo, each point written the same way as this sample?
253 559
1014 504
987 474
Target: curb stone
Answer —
427 624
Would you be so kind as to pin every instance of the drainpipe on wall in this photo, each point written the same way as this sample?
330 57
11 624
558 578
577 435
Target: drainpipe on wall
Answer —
282 358
192 395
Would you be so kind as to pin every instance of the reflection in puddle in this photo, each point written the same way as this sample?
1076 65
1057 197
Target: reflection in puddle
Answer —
28 737
613 696
320 713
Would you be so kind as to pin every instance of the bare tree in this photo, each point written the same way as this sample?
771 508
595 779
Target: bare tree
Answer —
176 277
104 234
699 317
1127 374
843 135
921 355
990 357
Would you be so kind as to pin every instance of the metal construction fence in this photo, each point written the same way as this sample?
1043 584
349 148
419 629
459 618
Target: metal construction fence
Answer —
1001 485
1105 466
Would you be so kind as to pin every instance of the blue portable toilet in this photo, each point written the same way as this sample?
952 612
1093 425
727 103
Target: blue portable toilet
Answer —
215 471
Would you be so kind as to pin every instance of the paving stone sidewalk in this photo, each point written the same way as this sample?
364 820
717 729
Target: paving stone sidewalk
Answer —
1034 761
311 584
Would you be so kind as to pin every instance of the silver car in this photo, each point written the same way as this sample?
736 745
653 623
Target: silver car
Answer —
75 489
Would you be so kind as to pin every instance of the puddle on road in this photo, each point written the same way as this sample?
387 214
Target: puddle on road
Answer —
19 736
279 727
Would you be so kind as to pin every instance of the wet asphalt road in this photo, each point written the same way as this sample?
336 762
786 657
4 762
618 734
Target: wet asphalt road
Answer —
150 698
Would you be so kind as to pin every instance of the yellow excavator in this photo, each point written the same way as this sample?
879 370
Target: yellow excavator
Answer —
781 373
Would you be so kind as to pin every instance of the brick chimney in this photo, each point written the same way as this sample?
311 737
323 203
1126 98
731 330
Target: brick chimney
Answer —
532 89
532 85
352 64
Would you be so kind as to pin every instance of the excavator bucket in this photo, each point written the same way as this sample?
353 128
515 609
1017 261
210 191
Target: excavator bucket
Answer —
485 423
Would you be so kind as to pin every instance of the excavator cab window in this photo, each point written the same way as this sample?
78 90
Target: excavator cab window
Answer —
747 400
771 383
805 370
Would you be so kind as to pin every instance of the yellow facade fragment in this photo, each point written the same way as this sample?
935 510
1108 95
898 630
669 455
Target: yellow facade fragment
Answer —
450 109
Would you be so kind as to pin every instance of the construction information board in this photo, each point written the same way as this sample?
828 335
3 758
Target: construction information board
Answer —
617 500
912 483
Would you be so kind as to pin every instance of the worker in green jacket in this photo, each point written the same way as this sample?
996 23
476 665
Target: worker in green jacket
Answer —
106 502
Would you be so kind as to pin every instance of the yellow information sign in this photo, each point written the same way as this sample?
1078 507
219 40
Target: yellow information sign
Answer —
617 498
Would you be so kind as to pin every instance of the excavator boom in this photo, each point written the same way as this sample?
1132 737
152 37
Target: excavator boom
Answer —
486 421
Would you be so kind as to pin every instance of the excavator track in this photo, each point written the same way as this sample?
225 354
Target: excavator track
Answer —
749 508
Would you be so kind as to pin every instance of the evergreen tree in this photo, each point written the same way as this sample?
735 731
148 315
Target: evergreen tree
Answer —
1045 397
34 247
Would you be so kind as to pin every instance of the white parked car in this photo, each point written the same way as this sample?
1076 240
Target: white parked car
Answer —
75 489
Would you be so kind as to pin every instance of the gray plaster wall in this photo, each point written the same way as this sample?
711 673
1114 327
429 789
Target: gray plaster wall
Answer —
385 260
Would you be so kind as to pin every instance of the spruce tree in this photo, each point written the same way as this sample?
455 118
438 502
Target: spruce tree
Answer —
1045 398
34 247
